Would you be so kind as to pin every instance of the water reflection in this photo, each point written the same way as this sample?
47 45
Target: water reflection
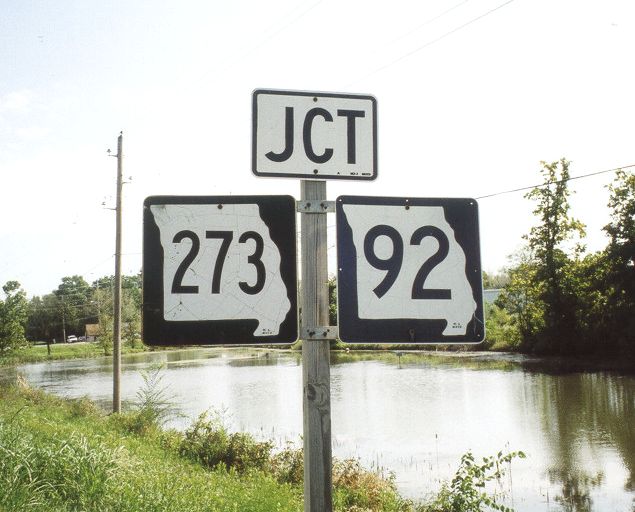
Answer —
413 414
584 416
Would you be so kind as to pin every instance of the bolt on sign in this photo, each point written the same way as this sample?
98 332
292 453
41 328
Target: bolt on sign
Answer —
314 135
219 270
409 270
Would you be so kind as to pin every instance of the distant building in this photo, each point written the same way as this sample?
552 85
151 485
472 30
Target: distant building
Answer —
93 331
490 296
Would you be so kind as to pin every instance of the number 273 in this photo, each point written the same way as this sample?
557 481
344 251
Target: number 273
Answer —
226 238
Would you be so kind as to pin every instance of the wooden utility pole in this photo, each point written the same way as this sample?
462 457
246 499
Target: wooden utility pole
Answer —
316 374
116 331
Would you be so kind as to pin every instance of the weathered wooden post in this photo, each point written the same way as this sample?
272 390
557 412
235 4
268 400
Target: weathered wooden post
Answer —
315 335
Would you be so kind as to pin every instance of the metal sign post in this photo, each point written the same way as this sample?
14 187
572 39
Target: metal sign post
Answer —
316 376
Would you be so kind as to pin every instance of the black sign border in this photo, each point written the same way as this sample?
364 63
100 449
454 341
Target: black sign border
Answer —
462 215
254 117
279 214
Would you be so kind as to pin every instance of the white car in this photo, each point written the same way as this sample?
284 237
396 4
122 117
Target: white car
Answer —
71 339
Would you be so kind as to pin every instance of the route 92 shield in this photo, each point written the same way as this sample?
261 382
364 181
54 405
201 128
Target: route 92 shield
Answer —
409 270
219 270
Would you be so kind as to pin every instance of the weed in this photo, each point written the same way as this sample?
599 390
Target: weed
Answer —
288 465
466 492
208 442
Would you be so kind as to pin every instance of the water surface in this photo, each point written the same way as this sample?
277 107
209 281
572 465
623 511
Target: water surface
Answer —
414 415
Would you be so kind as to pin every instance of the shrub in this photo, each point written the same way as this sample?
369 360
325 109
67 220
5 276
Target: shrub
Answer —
356 488
208 442
288 465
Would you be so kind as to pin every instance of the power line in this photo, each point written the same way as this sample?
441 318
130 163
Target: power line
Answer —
571 178
428 21
436 40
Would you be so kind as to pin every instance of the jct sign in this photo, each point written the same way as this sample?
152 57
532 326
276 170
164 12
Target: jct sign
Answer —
314 135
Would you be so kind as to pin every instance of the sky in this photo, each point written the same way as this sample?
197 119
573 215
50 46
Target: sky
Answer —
471 95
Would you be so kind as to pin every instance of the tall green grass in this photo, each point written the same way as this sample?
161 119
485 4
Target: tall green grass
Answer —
57 456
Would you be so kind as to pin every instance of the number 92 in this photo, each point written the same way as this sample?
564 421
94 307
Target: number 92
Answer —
392 264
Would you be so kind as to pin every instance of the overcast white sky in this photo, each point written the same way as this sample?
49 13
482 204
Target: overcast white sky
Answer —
472 95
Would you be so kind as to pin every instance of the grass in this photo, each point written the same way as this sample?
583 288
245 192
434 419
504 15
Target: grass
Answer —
62 455
39 353
58 455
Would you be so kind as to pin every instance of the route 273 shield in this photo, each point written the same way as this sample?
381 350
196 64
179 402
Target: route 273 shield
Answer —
409 270
219 270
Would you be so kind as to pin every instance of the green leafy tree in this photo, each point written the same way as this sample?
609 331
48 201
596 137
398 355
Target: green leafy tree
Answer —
620 261
76 307
522 299
543 291
45 320
13 317
131 302
493 281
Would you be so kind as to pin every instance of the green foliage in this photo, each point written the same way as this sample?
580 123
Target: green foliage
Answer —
130 310
618 271
356 488
493 281
552 263
208 442
561 302
48 474
522 299
466 492
45 318
74 295
53 458
59 351
153 405
501 328
288 465
13 317
332 300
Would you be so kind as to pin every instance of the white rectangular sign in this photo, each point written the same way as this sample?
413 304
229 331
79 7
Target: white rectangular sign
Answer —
314 135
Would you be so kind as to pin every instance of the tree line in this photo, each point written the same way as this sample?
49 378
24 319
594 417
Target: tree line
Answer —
560 299
67 310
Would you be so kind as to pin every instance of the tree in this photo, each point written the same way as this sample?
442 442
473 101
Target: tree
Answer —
131 302
13 317
543 288
76 307
45 318
619 283
493 281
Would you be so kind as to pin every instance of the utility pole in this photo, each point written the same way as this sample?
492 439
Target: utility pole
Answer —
116 332
63 320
